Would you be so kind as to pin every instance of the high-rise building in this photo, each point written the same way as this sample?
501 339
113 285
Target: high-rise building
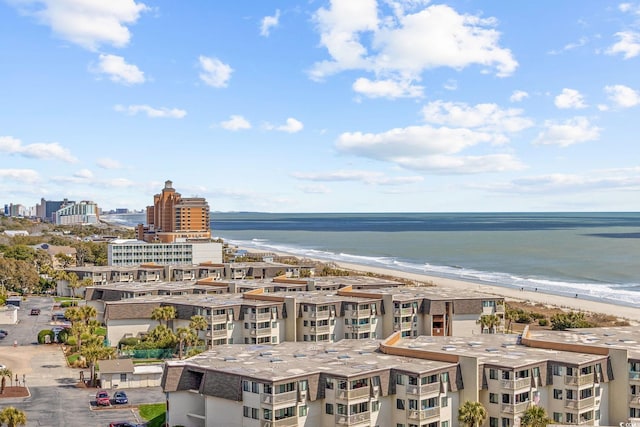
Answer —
175 218
84 212
46 209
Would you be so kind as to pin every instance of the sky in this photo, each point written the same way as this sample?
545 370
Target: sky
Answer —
323 106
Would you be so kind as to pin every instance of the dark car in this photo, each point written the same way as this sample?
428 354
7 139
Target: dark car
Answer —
35 311
120 397
125 424
102 398
3 331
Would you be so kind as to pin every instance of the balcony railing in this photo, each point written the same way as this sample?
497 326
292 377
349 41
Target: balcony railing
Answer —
321 314
217 333
262 332
279 398
424 389
353 394
579 404
285 422
516 384
219 318
424 414
320 329
260 316
403 311
354 419
515 408
581 380
634 375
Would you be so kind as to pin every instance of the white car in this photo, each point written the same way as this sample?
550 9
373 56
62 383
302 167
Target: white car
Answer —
2 366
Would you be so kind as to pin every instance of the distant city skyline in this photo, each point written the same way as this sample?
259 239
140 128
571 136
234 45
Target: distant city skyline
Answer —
323 106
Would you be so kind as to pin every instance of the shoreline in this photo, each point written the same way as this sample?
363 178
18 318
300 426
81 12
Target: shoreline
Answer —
629 313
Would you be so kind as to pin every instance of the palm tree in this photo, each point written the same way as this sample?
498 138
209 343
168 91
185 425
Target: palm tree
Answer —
490 322
535 416
164 313
93 353
5 372
472 414
183 334
87 312
13 417
73 283
198 323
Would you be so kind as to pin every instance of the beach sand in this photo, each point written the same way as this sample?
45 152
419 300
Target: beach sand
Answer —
631 314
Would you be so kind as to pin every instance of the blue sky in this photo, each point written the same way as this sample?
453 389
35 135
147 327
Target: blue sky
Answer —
323 106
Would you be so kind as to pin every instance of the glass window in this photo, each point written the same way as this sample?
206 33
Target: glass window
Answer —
400 404
375 406
302 411
493 398
557 394
399 379
493 422
557 417
493 374
328 408
444 402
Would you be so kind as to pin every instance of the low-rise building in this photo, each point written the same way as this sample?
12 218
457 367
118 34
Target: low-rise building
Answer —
128 252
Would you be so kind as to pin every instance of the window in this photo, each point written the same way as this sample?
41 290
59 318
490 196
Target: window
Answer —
267 389
506 398
493 422
571 394
557 417
375 406
506 422
493 374
444 402
399 379
493 398
328 408
254 388
569 372
597 414
444 424
267 414
303 385
329 384
444 377
505 375
400 404
557 394
123 377
571 419
245 386
302 411
246 411
557 370
413 404
586 393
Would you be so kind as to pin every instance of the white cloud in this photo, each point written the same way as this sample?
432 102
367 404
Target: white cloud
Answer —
572 131
366 177
450 84
488 118
623 96
427 149
570 46
154 113
214 72
107 163
269 22
404 45
628 44
236 122
118 70
20 175
387 88
88 23
518 95
570 98
47 151
629 8
84 174
292 126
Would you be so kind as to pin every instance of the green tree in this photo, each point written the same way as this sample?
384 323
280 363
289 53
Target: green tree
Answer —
73 282
64 260
4 373
160 337
164 314
490 322
13 417
535 416
573 319
94 352
198 323
20 253
472 414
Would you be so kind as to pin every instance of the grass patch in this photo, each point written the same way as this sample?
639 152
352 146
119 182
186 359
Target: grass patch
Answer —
154 414
72 358
101 331
61 299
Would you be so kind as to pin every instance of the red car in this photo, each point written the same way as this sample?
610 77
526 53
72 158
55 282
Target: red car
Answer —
102 398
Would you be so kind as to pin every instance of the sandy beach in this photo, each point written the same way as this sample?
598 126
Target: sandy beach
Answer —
632 314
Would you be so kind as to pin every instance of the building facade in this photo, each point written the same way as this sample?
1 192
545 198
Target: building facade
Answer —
81 213
127 253
175 218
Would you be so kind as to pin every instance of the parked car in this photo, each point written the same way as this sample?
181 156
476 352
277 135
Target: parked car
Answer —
35 311
125 424
3 331
120 397
102 398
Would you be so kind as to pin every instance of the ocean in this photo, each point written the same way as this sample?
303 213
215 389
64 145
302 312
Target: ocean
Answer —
595 255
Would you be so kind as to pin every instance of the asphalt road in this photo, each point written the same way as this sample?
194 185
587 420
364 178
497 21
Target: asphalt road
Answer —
55 400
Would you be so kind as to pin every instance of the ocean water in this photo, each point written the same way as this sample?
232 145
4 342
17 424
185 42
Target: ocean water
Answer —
595 255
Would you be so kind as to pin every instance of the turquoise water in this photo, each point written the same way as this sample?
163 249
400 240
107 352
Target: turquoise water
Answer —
596 255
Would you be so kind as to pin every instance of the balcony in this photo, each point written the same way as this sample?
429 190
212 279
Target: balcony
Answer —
424 414
515 408
403 311
219 318
406 326
424 389
516 384
320 329
354 419
216 333
579 404
262 332
360 313
634 375
581 380
285 422
260 316
280 398
353 394
325 314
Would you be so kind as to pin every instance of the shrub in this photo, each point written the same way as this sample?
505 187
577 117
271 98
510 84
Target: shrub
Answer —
543 322
63 335
67 304
562 321
71 341
128 342
43 333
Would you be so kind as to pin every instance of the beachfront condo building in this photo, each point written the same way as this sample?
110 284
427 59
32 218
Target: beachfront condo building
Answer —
175 218
81 213
129 253
410 382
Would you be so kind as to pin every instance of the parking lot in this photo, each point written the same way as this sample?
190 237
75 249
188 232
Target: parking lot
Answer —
55 398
